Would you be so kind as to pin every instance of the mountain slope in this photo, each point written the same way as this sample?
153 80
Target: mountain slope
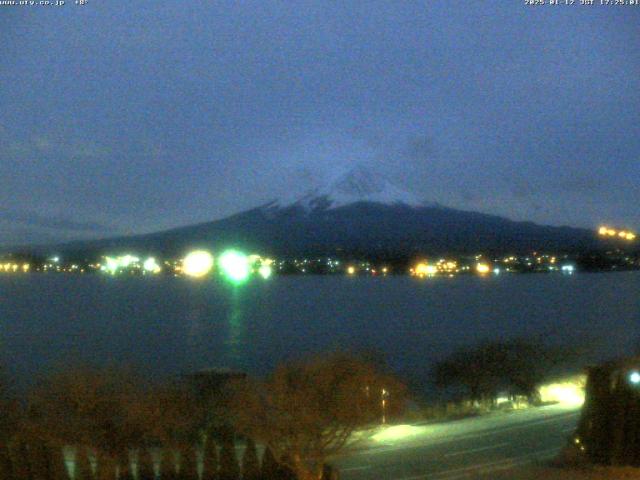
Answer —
357 213
355 186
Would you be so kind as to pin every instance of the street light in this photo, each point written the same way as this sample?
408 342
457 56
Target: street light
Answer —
384 395
634 377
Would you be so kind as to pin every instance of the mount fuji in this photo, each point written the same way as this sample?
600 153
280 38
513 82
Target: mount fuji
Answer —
358 185
357 213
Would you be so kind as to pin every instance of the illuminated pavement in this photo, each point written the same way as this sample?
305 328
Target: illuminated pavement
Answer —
464 448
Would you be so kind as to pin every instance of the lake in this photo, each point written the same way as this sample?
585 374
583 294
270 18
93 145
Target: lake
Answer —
168 326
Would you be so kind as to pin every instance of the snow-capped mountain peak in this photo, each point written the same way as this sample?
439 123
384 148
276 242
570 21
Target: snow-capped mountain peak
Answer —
359 184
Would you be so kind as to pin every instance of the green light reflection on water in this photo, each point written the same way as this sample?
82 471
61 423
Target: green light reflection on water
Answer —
236 327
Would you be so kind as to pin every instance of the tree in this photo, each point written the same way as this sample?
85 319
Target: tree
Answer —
482 370
308 411
145 465
528 362
6 464
85 408
108 412
23 468
83 466
10 414
476 369
189 464
211 460
8 423
229 469
269 466
250 463
167 416
609 428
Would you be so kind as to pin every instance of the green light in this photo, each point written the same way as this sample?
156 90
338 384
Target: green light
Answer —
265 271
111 265
234 265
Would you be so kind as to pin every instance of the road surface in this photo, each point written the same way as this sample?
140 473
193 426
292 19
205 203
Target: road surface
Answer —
464 448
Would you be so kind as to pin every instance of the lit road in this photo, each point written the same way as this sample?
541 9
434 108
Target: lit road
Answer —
463 448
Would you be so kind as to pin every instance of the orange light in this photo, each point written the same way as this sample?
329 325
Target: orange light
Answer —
482 268
424 269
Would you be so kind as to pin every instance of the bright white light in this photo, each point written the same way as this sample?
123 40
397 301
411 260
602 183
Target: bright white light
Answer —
397 432
634 377
197 263
127 260
568 268
111 265
568 392
265 271
150 265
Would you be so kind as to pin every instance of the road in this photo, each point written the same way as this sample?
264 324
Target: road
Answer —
464 448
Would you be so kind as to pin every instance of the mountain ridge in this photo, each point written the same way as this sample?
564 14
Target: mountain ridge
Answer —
358 213
360 184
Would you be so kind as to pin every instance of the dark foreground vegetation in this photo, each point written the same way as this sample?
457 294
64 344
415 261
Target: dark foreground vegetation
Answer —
90 424
94 424
514 368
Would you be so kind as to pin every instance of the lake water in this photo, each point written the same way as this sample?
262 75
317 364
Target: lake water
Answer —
172 325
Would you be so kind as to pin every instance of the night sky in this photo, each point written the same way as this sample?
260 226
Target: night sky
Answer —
134 116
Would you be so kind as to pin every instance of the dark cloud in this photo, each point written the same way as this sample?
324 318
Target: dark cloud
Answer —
174 112
421 147
55 223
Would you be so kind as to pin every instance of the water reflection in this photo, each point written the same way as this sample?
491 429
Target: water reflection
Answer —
175 326
236 328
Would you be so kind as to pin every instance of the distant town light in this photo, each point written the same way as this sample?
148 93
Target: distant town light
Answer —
151 265
111 265
482 268
265 271
634 377
254 258
424 269
197 263
568 269
127 260
611 232
351 270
